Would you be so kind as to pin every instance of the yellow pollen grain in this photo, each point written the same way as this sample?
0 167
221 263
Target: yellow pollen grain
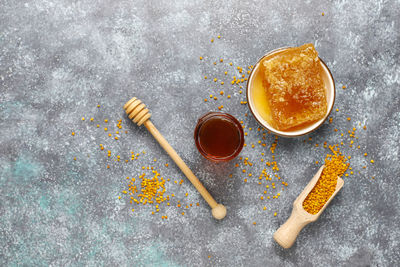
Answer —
335 166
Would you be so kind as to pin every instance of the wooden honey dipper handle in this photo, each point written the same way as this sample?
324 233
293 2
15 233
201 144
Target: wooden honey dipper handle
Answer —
139 114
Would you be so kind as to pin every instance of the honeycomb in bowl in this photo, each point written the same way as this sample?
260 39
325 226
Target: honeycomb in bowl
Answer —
294 87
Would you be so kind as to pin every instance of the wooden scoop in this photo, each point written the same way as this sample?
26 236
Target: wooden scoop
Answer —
286 234
139 114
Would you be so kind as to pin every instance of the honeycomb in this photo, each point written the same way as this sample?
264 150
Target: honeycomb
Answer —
294 87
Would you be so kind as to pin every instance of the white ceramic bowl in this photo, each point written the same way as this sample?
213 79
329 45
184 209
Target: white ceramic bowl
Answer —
330 97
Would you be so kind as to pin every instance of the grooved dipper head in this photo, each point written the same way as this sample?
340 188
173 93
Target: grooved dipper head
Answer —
137 111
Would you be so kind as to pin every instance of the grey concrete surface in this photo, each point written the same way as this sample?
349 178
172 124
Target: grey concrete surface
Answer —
60 59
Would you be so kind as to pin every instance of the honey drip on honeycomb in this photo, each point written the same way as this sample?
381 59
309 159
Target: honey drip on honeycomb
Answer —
294 87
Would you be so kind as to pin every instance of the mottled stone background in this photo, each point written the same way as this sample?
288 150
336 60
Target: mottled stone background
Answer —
60 59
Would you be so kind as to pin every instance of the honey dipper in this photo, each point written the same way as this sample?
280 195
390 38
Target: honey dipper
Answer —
286 234
139 114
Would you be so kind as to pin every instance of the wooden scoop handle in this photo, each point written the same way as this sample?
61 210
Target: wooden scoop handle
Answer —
140 115
286 234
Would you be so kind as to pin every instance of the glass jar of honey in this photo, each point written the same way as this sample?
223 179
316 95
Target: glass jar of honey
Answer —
219 136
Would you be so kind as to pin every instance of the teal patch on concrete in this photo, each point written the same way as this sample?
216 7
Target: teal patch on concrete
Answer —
25 256
26 169
154 256
44 203
10 109
67 201
5 171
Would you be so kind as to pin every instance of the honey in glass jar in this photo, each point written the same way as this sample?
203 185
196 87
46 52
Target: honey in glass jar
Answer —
219 136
